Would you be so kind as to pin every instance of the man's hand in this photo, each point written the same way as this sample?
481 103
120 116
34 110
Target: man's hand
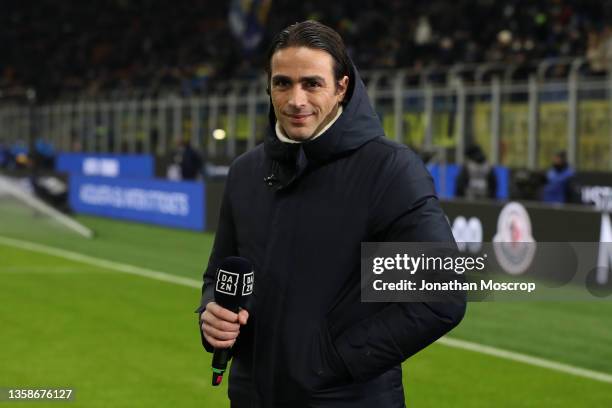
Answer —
220 326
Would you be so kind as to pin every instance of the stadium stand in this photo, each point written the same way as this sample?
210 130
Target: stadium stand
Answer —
522 79
71 48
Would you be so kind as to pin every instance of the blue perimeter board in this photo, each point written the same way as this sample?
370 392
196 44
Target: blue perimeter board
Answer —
126 165
179 204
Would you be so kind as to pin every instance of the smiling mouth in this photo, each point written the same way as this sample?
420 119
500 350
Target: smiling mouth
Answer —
299 119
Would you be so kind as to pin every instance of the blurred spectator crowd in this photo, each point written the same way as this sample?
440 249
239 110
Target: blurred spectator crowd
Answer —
17 155
52 48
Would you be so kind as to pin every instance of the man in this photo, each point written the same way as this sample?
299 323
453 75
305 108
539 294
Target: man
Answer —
477 177
560 184
298 207
188 159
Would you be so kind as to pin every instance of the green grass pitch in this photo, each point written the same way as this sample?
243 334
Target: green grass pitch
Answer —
127 341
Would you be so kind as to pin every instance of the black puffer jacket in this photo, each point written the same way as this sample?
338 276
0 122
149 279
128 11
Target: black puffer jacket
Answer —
299 212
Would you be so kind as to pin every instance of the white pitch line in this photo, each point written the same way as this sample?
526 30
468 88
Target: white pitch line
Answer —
192 283
526 359
99 262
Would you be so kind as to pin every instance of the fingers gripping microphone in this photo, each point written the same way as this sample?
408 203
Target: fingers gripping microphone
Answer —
234 285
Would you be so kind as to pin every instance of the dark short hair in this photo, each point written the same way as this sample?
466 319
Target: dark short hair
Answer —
312 34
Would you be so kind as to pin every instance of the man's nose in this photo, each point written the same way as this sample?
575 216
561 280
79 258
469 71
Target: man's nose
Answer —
297 97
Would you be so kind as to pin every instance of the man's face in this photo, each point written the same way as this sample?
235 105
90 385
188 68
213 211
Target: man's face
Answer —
304 92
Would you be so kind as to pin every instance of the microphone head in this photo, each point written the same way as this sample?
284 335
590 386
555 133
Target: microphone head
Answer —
235 279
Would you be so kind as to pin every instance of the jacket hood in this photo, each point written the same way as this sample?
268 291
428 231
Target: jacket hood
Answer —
357 125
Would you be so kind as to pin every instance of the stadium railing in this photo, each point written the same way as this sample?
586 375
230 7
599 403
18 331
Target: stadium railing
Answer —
518 123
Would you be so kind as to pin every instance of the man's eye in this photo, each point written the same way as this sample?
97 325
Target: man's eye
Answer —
281 83
312 84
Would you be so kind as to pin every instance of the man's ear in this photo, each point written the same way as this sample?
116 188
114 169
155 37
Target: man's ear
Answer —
342 87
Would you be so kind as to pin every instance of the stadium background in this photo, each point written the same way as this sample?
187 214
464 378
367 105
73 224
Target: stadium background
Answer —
90 90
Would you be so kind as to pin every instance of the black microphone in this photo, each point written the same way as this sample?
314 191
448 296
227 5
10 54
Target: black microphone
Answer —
235 278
